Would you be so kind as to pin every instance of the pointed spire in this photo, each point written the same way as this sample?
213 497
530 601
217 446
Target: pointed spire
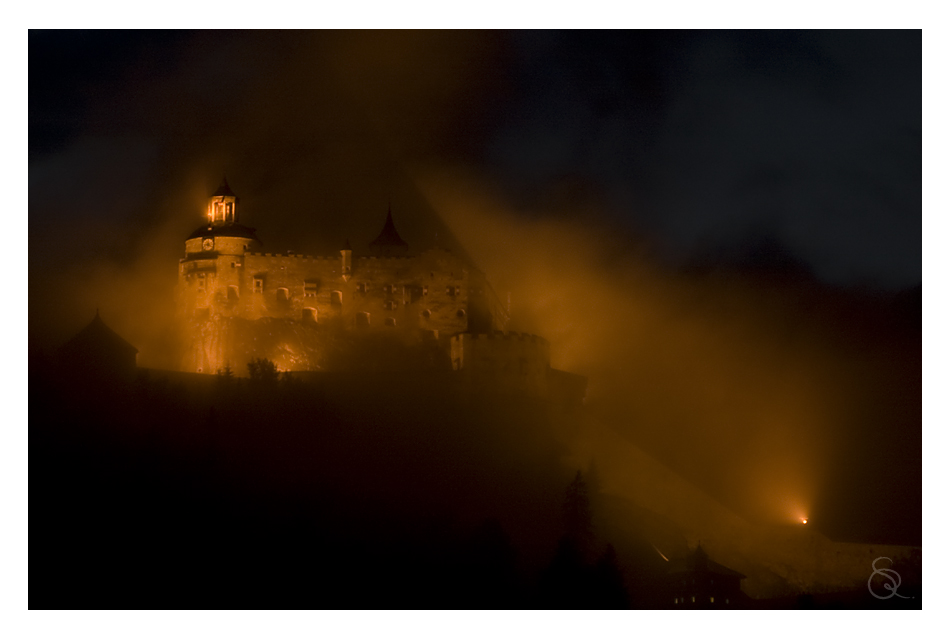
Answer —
223 189
388 238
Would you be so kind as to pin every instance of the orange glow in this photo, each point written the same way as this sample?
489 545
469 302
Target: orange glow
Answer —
804 520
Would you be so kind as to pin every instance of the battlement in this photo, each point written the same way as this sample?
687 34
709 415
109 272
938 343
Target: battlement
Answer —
296 256
517 361
506 336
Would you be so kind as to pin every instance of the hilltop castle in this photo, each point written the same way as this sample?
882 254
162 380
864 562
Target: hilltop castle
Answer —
237 302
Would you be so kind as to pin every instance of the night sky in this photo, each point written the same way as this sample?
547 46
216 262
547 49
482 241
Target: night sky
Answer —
722 230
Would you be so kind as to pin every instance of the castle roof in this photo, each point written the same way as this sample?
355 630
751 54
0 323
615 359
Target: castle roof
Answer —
699 561
231 230
224 189
97 335
389 237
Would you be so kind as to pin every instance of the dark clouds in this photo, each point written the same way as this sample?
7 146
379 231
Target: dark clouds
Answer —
707 141
702 142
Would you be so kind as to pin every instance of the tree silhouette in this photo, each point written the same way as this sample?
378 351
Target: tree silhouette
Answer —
607 583
263 371
577 514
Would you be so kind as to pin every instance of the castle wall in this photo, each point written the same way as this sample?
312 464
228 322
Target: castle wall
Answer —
433 294
518 361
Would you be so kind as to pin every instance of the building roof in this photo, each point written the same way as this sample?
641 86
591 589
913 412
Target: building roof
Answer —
230 230
389 237
699 561
224 189
97 336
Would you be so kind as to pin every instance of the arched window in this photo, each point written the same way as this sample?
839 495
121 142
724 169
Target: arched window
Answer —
426 313
390 321
336 299
309 315
461 313
283 294
362 320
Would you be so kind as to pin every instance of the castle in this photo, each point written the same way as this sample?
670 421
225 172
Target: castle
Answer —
236 302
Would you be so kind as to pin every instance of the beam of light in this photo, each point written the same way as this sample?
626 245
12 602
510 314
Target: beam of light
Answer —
659 553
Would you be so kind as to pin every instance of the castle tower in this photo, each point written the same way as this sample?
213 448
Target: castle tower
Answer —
388 243
223 235
211 276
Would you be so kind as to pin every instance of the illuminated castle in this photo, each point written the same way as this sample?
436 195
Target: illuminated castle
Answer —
237 302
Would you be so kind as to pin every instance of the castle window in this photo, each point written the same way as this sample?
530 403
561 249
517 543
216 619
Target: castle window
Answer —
361 287
449 290
309 315
425 291
336 299
310 288
201 282
390 321
390 305
426 313
460 314
362 320
283 294
258 285
229 212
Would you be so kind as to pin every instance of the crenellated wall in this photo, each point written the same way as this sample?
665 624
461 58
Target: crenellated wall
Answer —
434 292
519 361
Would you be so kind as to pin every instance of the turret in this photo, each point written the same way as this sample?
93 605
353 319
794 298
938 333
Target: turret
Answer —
222 208
388 242
222 235
346 260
